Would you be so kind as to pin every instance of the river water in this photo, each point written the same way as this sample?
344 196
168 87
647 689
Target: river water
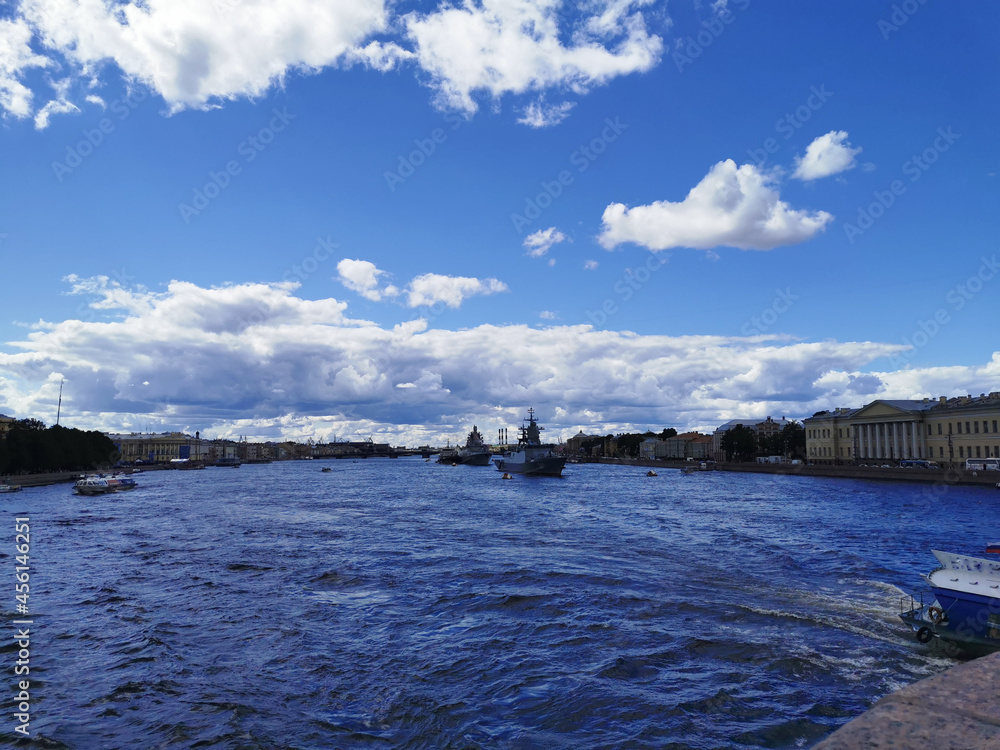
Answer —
407 604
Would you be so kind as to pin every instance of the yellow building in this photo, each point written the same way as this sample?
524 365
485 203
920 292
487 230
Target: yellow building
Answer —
887 431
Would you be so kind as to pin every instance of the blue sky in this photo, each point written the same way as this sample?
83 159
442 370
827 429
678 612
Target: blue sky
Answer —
319 219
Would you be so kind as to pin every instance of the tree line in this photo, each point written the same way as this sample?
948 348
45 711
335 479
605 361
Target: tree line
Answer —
742 444
28 447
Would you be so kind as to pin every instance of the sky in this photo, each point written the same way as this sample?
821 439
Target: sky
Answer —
347 220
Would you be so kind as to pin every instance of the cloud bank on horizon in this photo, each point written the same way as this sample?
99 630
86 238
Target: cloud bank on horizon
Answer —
258 360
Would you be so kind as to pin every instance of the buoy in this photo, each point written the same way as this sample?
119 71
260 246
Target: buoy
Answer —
924 635
651 473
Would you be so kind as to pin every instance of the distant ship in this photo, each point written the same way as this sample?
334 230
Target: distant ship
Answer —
474 453
531 456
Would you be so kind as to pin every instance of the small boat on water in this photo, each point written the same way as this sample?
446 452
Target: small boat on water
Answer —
98 484
8 488
531 455
965 610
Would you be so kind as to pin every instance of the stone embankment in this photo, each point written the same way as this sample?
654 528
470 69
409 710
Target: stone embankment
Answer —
929 476
959 709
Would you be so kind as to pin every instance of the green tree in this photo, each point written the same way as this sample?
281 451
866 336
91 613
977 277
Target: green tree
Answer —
739 443
793 440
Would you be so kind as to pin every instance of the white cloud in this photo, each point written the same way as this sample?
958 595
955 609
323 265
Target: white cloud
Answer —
431 288
498 47
538 243
590 265
198 54
827 155
548 315
254 359
16 56
731 206
54 107
541 115
361 276
193 52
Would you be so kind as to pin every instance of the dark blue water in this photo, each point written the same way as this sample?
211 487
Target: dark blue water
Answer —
405 604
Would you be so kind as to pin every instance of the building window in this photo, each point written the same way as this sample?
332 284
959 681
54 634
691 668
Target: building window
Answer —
978 454
986 426
939 428
941 451
961 452
966 428
994 425
959 427
976 426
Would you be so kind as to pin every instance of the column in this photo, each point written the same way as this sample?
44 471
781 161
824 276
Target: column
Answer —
907 453
897 445
917 441
865 440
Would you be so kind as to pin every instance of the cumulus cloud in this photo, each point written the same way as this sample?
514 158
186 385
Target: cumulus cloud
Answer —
496 47
199 54
361 276
827 155
256 360
193 52
731 206
538 243
431 288
16 57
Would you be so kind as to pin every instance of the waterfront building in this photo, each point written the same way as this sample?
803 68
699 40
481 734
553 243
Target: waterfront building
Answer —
946 430
679 447
159 448
575 443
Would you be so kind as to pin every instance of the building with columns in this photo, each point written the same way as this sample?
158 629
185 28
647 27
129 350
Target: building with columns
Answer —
887 431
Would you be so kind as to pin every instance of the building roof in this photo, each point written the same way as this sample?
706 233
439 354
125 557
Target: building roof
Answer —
747 422
906 404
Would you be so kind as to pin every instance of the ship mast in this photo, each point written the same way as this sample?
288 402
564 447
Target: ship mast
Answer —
59 407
